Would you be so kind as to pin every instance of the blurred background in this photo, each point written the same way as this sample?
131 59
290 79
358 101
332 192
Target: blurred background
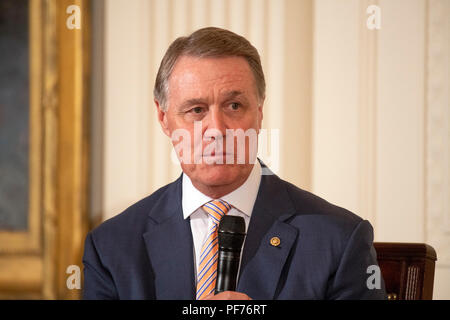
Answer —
358 91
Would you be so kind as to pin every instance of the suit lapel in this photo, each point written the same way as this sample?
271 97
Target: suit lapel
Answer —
168 240
262 261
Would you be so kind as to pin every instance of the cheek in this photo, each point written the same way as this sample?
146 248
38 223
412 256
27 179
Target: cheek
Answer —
253 122
172 122
250 119
175 122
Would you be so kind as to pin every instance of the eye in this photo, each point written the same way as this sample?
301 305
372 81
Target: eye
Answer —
235 105
197 110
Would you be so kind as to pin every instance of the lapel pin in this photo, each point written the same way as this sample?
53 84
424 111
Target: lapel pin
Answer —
275 241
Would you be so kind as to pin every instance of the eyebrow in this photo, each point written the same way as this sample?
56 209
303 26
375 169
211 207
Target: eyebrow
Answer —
194 101
236 93
191 102
232 94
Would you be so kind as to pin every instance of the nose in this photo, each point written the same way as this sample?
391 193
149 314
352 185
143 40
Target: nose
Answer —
216 123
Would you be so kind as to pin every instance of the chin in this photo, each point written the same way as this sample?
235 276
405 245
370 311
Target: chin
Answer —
218 174
215 174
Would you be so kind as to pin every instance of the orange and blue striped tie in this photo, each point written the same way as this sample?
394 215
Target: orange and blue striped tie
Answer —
207 270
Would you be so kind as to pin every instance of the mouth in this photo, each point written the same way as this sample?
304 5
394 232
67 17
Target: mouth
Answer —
217 158
213 155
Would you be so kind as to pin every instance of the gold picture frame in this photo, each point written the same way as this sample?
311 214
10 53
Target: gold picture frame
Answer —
33 263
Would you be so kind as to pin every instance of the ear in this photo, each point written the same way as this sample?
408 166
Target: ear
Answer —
162 118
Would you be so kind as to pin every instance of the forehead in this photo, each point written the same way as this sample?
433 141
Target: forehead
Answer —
199 75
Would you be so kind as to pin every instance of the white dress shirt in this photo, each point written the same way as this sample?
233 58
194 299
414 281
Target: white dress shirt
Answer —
242 201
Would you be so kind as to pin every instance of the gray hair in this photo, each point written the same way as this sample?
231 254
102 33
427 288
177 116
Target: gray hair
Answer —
207 43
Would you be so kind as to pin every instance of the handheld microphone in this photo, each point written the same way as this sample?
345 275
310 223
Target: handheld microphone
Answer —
231 236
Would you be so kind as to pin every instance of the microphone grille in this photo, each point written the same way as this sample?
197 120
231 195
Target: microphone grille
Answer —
231 232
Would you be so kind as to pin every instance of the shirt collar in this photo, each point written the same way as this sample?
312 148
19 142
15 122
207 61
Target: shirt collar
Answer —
243 198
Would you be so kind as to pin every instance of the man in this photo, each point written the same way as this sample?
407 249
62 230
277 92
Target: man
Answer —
298 246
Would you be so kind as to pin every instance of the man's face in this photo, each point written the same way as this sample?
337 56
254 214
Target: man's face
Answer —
221 94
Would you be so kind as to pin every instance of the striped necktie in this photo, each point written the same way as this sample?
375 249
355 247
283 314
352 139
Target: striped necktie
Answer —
207 270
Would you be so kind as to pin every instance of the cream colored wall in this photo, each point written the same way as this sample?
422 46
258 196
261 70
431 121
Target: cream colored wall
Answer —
127 131
381 119
363 114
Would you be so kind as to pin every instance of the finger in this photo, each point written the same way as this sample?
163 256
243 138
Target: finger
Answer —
209 297
228 295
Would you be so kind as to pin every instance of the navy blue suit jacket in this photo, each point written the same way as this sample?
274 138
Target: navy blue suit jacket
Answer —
146 252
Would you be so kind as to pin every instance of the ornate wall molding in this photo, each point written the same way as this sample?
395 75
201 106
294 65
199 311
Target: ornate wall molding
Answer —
34 266
437 205
367 95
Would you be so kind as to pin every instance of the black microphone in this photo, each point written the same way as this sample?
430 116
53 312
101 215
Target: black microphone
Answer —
231 237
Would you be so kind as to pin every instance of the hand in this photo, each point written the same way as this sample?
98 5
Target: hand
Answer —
228 295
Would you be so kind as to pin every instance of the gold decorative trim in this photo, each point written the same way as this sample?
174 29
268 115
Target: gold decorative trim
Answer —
33 264
73 151
19 280
50 105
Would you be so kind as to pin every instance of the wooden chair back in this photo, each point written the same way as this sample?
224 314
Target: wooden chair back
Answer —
407 269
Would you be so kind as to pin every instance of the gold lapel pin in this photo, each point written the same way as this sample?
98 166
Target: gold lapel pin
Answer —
275 241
